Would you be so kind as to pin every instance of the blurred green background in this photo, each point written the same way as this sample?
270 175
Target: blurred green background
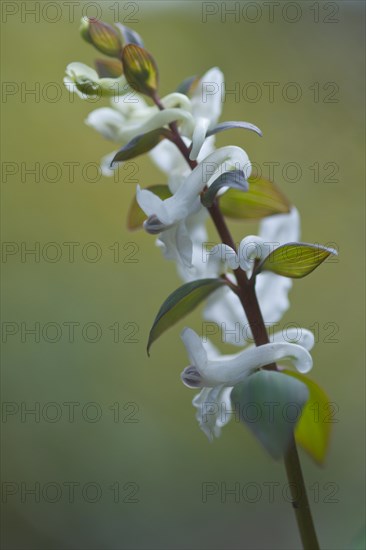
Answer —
161 461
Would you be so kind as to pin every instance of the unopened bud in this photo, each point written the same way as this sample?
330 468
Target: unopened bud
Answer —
140 70
101 35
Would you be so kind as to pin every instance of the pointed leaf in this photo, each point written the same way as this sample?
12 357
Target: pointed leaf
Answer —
234 179
262 199
313 429
295 260
129 36
139 145
233 124
136 216
181 302
108 68
140 69
270 404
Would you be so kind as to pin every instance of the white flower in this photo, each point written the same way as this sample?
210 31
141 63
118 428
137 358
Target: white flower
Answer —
170 160
225 308
205 373
250 248
130 116
176 243
198 234
183 244
171 215
206 107
213 409
213 403
186 200
85 82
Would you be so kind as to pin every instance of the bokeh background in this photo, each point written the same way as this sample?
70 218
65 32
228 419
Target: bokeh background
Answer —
154 451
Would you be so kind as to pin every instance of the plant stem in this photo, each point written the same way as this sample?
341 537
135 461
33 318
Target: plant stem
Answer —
257 325
249 301
300 502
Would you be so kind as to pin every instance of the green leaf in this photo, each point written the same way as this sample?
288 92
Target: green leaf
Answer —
262 199
140 69
181 302
234 179
295 260
101 35
136 216
139 145
313 429
270 404
108 68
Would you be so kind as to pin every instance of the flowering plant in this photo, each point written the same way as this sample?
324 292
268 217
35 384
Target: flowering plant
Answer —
246 287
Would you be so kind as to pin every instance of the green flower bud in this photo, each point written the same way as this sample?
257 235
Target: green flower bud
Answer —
101 35
140 70
109 68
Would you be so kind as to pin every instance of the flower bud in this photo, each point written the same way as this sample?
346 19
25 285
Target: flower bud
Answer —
108 68
101 35
140 70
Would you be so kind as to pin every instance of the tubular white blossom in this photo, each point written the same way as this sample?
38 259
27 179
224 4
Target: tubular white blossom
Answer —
213 405
160 119
207 373
85 82
186 200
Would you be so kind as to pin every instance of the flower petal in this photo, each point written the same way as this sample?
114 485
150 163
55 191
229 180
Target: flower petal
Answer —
186 200
176 245
250 248
232 371
167 158
150 203
281 228
176 99
234 124
107 122
295 335
226 255
224 309
207 96
105 164
213 409
272 292
195 350
161 118
199 136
